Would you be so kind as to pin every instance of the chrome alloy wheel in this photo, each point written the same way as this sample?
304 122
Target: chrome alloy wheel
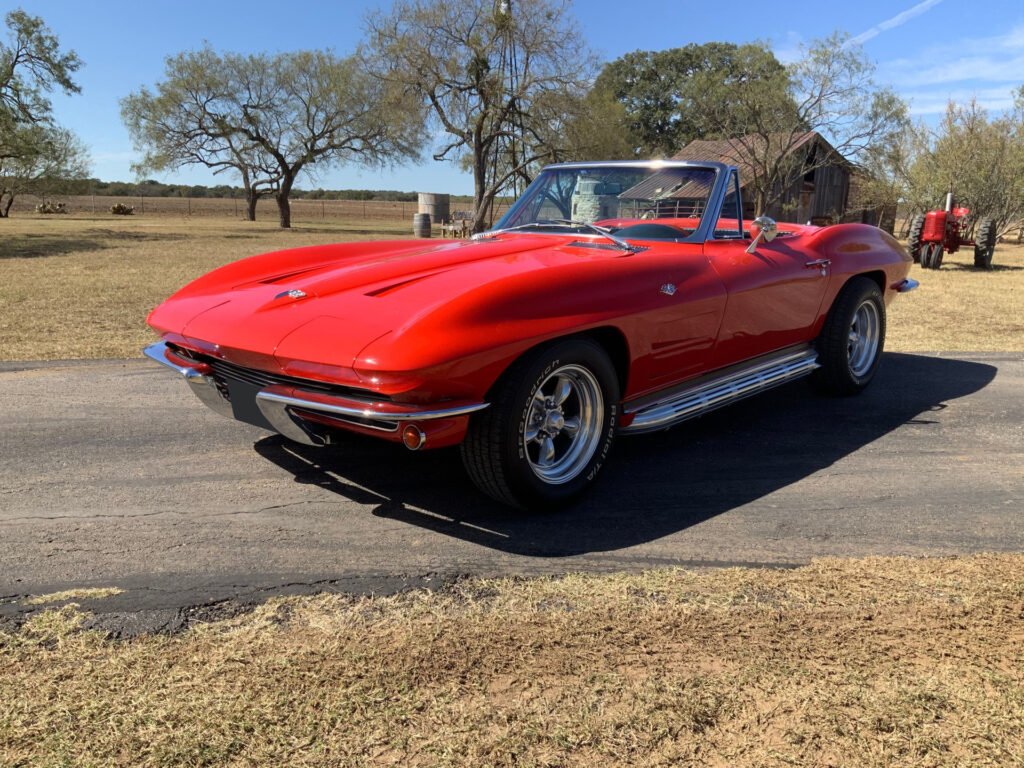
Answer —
563 425
865 331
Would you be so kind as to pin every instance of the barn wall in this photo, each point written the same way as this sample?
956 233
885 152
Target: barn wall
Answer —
831 191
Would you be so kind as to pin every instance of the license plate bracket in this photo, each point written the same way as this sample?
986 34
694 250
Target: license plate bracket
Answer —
243 403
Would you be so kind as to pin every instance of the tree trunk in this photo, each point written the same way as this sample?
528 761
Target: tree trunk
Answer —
251 198
284 210
5 206
480 202
284 207
760 202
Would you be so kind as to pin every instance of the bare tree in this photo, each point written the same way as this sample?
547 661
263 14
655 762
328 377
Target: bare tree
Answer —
275 116
456 56
830 91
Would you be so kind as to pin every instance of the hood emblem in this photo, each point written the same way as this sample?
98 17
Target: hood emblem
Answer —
668 289
294 293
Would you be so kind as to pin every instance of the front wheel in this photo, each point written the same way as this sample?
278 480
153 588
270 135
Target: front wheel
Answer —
851 343
549 429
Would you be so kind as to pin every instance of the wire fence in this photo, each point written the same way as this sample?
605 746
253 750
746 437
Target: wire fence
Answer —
222 207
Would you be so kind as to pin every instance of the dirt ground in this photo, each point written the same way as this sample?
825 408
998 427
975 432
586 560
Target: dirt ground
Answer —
875 662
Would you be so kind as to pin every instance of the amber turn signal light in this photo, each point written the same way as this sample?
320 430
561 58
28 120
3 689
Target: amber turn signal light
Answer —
413 437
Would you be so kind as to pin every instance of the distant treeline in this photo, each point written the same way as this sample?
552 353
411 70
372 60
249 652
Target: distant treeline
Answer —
153 188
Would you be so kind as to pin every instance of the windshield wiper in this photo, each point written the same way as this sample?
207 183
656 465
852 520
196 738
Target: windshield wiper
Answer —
564 224
601 231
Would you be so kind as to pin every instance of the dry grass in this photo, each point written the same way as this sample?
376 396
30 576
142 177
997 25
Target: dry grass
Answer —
81 286
959 308
77 287
873 662
94 593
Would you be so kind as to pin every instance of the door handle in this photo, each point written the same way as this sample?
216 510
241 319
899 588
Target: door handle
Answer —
818 263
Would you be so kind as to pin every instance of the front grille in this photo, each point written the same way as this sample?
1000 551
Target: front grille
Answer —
222 370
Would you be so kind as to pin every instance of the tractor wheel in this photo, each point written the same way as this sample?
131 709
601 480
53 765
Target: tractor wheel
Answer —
931 255
914 240
984 244
926 255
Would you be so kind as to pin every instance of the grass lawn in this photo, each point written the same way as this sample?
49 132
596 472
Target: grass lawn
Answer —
863 663
81 286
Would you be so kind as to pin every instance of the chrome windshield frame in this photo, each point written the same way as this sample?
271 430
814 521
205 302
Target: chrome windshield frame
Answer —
705 230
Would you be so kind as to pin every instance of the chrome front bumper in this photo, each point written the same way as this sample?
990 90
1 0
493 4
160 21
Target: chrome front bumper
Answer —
283 406
199 381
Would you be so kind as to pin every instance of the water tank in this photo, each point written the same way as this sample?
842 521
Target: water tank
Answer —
436 204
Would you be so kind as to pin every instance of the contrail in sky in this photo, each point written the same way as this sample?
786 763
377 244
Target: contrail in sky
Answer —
895 21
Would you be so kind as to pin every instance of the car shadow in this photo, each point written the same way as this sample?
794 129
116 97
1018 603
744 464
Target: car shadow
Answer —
656 484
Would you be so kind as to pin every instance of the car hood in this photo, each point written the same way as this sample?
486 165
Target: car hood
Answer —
325 304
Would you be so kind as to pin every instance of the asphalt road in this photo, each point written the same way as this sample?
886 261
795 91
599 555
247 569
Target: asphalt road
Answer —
112 474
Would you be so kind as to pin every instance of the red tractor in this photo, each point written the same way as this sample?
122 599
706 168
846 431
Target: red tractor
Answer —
936 232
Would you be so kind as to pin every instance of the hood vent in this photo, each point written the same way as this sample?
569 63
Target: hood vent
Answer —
385 290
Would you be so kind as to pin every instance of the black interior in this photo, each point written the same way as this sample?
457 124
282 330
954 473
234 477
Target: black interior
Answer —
653 232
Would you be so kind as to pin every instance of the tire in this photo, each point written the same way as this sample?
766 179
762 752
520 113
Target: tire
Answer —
848 364
926 256
520 451
984 244
914 239
931 255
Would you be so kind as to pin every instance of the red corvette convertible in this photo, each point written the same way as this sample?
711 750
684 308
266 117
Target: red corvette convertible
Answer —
612 298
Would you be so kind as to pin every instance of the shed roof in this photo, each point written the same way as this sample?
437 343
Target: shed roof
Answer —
735 151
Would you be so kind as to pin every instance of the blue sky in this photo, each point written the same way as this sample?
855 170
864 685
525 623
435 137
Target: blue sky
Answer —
123 46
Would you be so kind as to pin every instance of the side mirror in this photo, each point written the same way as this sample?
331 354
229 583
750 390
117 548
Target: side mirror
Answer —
767 229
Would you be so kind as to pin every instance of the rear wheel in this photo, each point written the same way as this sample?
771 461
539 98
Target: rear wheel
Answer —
984 244
851 343
549 429
914 240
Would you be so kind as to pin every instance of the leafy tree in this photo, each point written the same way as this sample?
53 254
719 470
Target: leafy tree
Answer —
183 123
830 90
450 53
271 117
980 159
34 152
31 65
664 93
44 162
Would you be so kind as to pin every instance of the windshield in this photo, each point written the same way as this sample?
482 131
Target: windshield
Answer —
646 202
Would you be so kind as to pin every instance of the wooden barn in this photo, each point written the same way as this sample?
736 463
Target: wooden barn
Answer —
817 189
